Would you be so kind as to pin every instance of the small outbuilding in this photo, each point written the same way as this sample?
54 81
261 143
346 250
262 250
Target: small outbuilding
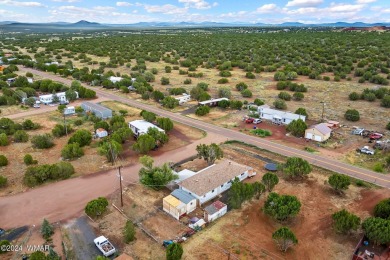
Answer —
98 110
115 79
216 210
69 111
320 132
179 203
101 132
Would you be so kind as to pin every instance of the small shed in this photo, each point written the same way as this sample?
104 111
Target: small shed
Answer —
185 198
98 110
174 207
333 124
69 111
101 132
216 210
319 133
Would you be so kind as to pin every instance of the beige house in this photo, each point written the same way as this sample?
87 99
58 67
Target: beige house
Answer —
320 132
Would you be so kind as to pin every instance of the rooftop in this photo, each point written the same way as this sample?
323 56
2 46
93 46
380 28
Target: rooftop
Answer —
183 196
184 174
173 201
96 107
212 100
143 126
322 128
213 176
281 114
214 207
50 95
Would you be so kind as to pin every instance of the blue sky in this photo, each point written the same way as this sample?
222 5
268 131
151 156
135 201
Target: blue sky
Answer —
252 11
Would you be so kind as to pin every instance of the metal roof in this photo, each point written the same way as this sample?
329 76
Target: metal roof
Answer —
183 196
322 128
212 101
280 114
172 201
96 107
143 126
214 207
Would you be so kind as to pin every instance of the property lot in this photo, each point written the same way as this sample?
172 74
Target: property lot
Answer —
91 162
246 233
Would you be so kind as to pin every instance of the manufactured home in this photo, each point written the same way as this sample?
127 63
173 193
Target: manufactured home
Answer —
278 117
98 110
214 180
140 127
48 99
183 98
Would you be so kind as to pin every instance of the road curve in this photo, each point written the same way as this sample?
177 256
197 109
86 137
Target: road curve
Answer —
318 160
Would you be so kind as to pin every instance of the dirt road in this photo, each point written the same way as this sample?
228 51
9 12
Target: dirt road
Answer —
318 160
67 199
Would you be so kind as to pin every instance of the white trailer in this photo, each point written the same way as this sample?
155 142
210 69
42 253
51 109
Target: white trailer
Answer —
104 246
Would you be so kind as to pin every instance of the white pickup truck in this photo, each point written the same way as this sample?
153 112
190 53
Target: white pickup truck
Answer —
104 246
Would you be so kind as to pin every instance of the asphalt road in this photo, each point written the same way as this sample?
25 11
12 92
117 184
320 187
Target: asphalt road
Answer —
318 160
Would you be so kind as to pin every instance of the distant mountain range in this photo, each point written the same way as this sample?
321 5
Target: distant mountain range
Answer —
92 25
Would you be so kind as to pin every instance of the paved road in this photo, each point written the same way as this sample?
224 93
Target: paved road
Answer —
67 199
318 160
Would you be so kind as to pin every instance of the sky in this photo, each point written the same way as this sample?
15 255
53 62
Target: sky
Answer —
248 11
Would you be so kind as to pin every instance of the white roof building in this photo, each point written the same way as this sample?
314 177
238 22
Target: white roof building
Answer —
140 127
212 102
47 99
278 116
183 98
115 79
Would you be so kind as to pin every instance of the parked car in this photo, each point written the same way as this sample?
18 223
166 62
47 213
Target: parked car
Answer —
36 106
257 121
375 136
357 131
249 120
104 246
2 232
365 150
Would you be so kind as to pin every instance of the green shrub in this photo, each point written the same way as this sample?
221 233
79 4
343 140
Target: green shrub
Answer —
250 75
385 101
352 115
82 137
3 139
42 141
388 126
20 136
96 207
246 93
261 132
223 81
129 232
241 86
28 160
36 175
280 104
378 167
225 73
258 102
285 96
298 96
354 96
187 81
164 81
202 110
3 181
72 151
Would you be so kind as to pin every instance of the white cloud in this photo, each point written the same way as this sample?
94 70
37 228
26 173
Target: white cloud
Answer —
267 8
66 1
304 3
344 8
165 9
103 8
21 4
124 4
196 4
365 1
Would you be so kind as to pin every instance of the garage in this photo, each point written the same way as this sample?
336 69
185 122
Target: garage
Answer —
319 133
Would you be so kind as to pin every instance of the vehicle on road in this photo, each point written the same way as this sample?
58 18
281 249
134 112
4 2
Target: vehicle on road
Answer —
104 246
257 121
365 150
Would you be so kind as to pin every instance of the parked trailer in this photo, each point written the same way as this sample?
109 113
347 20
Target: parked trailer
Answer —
104 246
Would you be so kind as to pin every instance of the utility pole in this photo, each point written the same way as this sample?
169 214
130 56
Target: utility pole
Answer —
120 184
66 128
323 111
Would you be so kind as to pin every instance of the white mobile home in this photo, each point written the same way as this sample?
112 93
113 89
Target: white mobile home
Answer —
212 102
48 99
277 116
215 179
69 111
100 133
140 127
183 98
115 79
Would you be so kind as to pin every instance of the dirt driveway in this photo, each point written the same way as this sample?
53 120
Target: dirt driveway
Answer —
81 235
